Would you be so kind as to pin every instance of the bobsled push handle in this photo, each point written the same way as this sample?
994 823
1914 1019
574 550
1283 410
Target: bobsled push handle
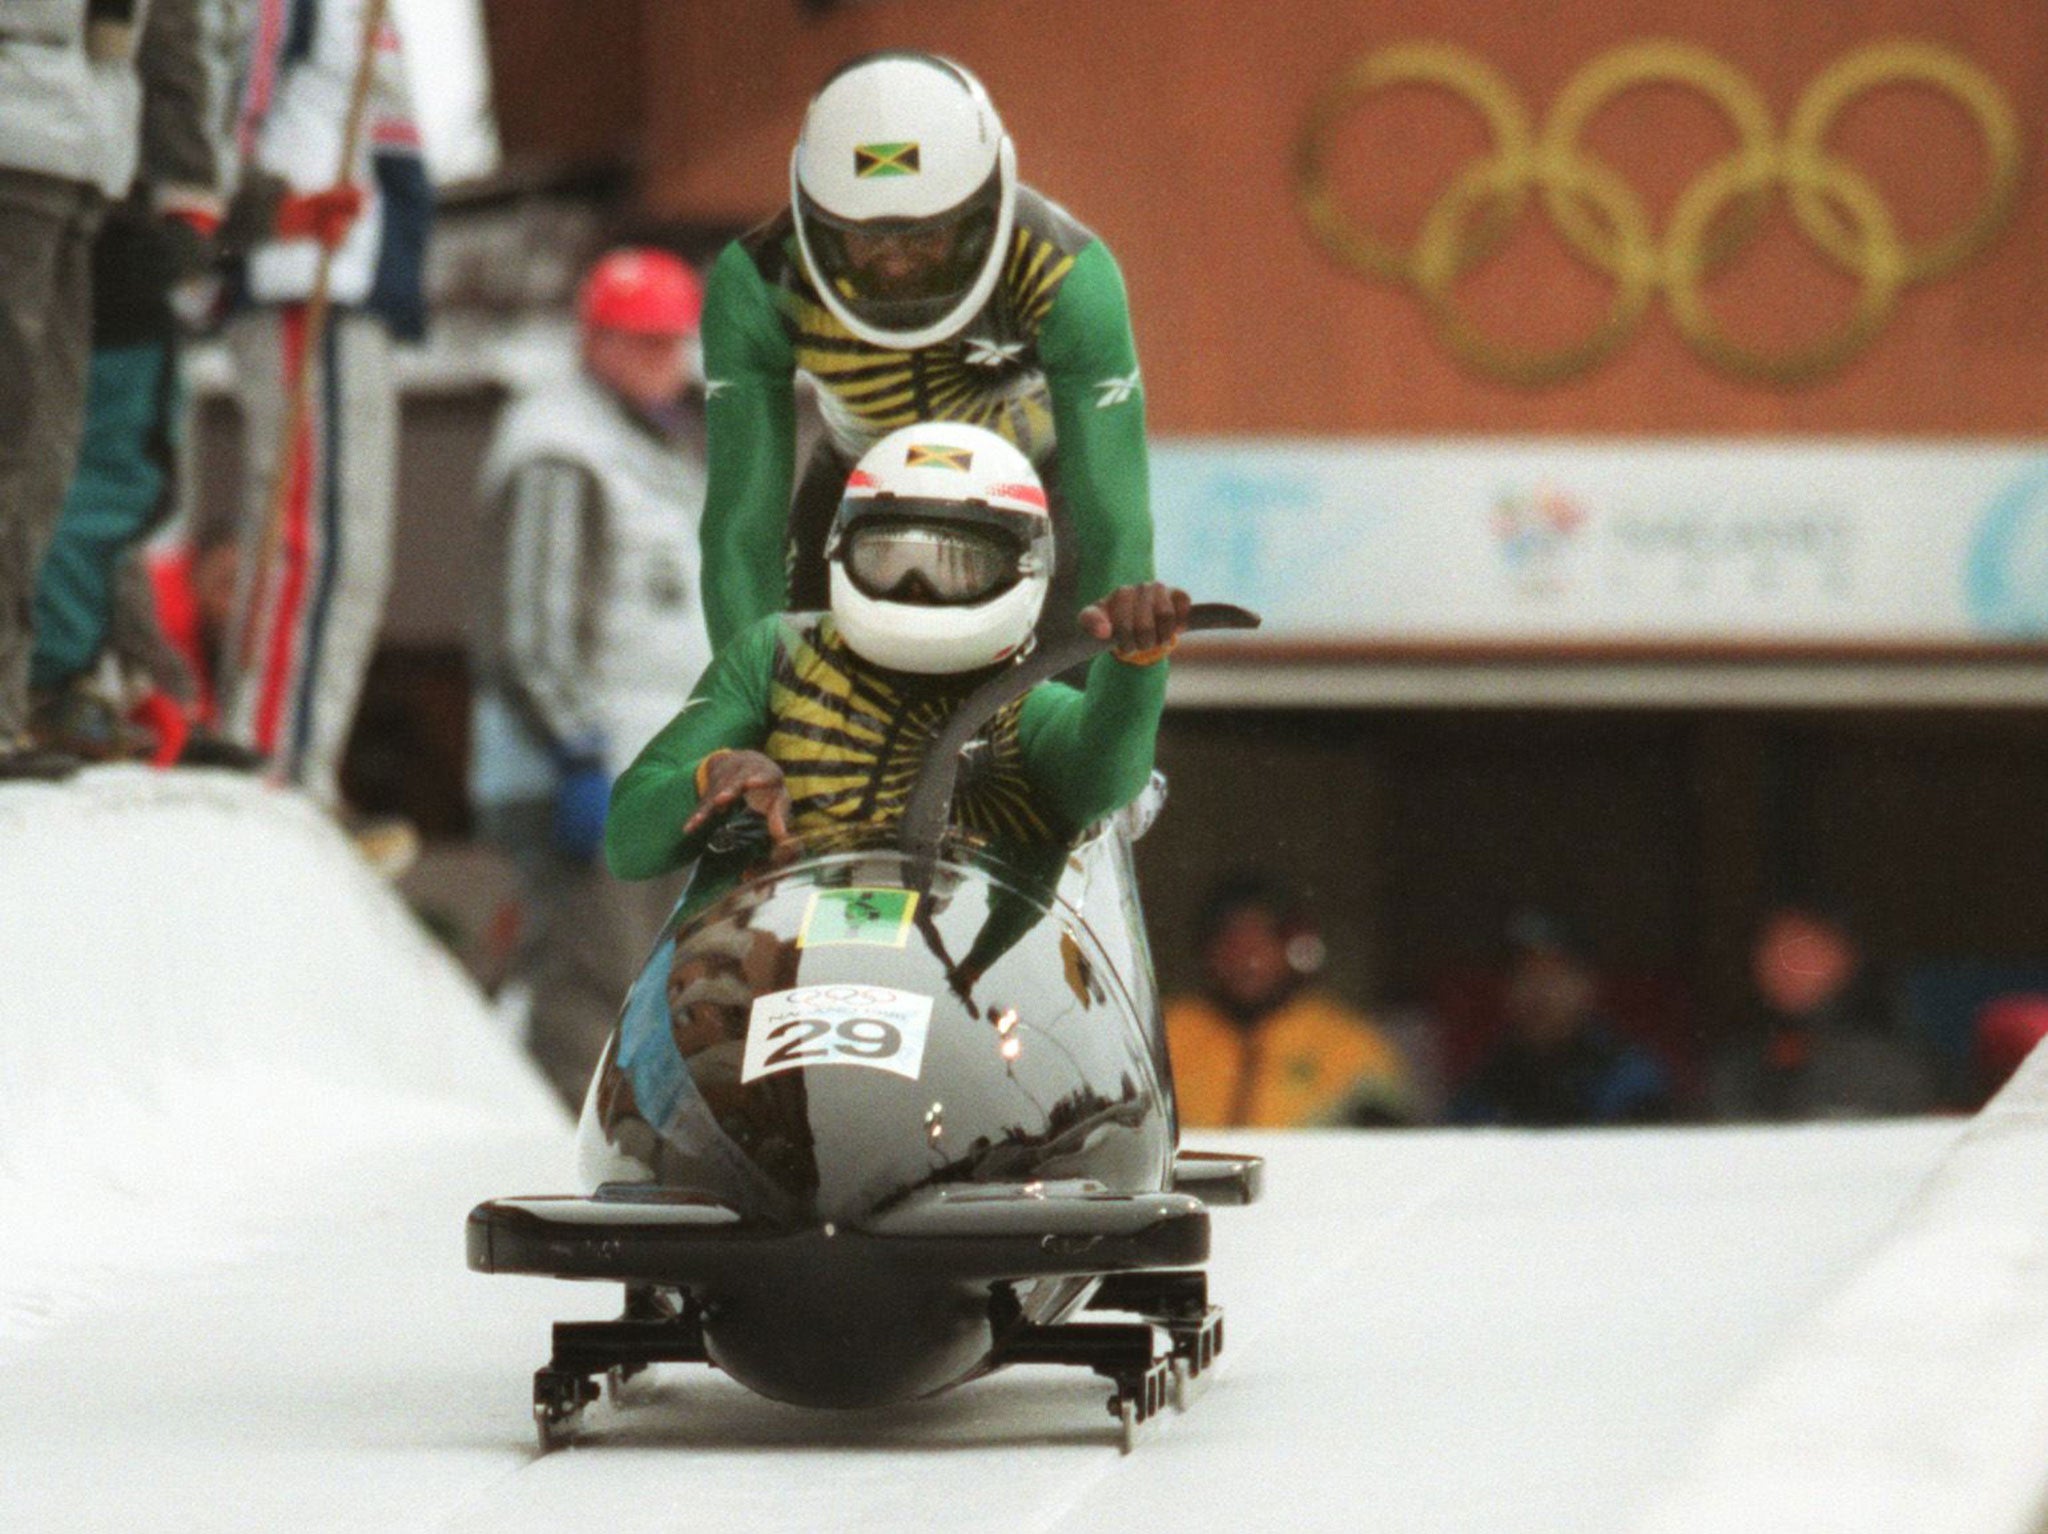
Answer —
924 818
1218 1178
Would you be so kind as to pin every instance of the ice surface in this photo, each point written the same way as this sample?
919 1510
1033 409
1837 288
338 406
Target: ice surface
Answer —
1916 1398
204 992
245 1105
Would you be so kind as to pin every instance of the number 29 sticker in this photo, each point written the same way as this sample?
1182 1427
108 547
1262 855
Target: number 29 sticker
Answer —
868 1025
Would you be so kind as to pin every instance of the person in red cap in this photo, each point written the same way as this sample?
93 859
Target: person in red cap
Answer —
639 310
588 634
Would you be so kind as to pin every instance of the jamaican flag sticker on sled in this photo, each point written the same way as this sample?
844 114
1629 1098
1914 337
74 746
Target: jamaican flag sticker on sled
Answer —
875 918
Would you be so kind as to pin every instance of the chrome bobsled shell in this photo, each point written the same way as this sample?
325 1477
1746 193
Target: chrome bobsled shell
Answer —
828 1038
851 1094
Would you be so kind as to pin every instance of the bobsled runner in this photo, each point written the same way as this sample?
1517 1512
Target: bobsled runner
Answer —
885 1112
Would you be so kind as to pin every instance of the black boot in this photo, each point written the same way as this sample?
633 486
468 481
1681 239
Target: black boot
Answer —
25 761
203 748
76 720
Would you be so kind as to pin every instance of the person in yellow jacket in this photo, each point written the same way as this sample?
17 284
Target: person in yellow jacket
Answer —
1259 1045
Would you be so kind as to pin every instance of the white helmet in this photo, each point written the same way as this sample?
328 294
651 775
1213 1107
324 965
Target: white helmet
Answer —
941 552
904 148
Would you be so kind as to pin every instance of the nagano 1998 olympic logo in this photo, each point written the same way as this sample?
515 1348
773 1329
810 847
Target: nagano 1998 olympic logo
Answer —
1534 529
1604 222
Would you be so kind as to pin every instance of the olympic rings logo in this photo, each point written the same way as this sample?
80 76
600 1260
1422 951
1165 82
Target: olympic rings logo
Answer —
1604 222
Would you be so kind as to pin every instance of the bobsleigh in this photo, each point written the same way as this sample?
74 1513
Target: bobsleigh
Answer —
885 1115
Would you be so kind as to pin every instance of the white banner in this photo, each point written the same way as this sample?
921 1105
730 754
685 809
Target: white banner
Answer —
1547 540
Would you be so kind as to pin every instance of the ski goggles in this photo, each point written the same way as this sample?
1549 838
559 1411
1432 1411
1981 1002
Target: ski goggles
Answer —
929 564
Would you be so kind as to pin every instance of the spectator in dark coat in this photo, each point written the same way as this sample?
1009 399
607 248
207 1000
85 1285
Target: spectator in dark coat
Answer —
1561 1061
1820 1045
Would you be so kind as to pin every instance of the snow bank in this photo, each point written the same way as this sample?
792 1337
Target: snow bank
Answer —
1916 1398
205 992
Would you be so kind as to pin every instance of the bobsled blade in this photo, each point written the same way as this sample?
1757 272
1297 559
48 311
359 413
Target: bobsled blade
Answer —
1219 1179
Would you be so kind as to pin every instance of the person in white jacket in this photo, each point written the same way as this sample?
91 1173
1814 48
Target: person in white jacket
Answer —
588 635
71 105
316 565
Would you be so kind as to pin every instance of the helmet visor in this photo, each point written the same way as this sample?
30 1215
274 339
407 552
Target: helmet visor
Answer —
931 563
903 274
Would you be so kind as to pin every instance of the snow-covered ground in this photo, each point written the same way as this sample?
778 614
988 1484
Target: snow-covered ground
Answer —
245 1105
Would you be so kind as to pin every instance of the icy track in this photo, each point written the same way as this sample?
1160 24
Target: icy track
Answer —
245 1105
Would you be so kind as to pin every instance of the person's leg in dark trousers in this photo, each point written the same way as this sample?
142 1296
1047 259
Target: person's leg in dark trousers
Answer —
124 485
119 493
583 936
600 931
46 230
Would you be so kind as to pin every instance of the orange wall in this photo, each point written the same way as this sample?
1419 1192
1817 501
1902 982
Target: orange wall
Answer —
1171 127
566 78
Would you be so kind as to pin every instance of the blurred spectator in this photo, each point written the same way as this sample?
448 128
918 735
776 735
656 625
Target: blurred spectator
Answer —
124 487
1260 1045
194 586
73 136
2006 1032
1821 1045
588 636
317 527
1560 1061
191 594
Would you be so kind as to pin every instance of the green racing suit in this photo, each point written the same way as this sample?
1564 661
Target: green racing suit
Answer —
849 736
1048 363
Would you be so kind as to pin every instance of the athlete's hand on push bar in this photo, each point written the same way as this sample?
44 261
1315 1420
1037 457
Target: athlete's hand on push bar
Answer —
731 777
1139 620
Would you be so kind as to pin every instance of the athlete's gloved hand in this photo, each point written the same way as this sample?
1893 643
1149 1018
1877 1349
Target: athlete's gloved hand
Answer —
580 804
727 778
324 216
1141 622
